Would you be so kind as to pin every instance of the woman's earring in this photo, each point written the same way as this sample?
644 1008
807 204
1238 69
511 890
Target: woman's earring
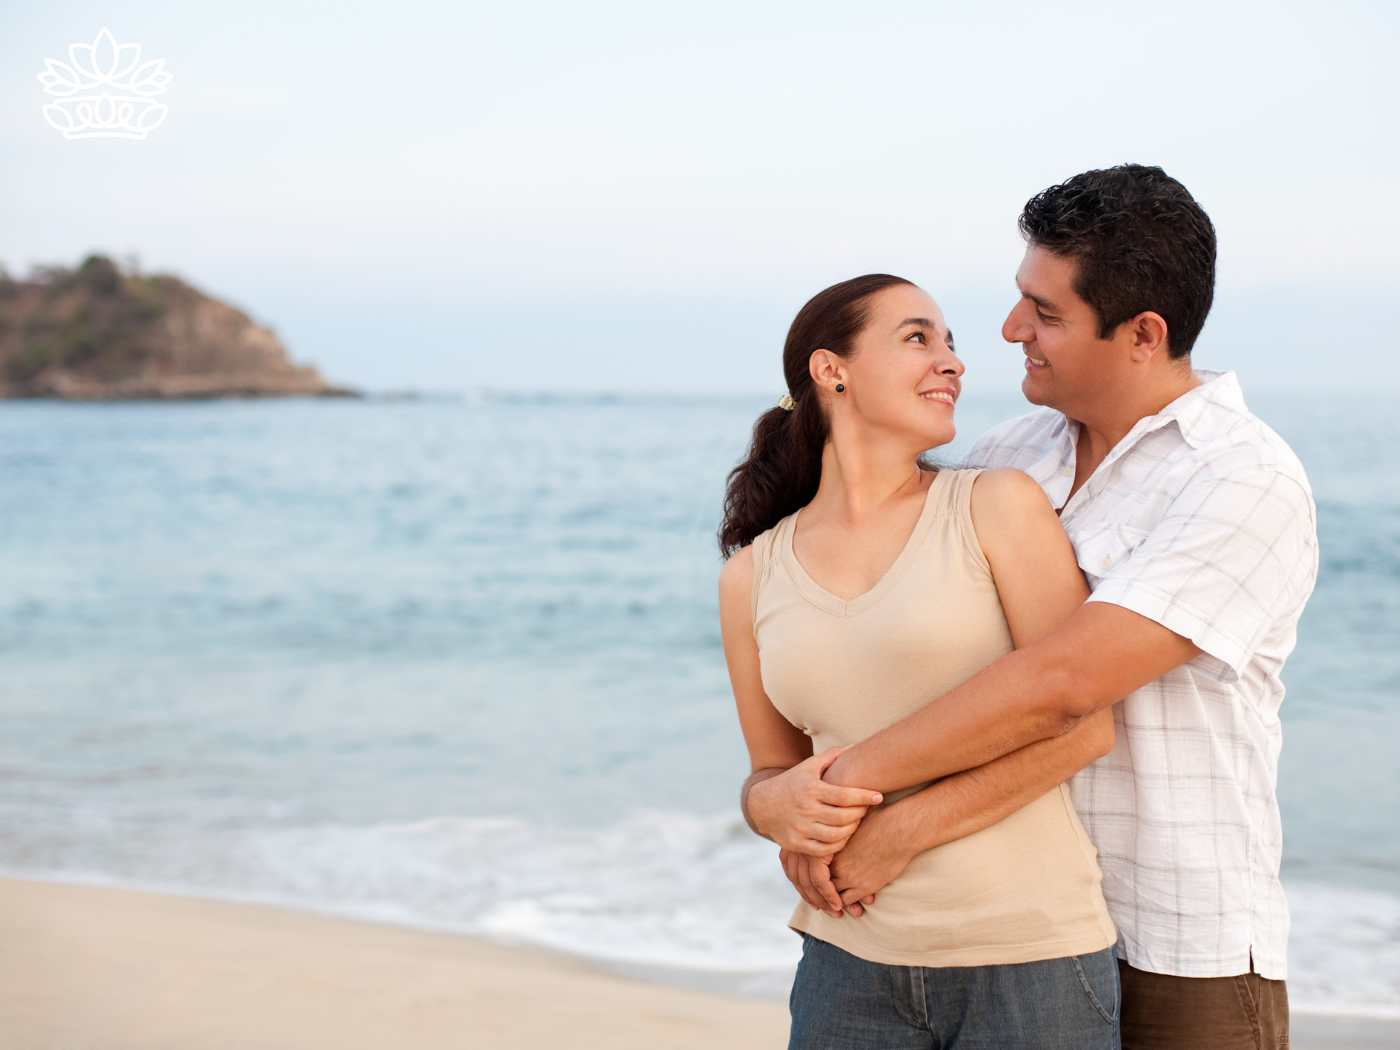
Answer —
840 388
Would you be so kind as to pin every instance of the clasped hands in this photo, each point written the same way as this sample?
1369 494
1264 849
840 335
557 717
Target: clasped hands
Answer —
835 848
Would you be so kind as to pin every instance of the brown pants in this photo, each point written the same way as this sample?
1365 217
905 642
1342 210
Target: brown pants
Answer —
1160 1012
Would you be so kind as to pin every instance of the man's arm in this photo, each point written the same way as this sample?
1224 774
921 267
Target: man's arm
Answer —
1039 693
1040 586
957 806
968 802
1235 552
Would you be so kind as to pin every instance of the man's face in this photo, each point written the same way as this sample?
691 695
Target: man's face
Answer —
1067 364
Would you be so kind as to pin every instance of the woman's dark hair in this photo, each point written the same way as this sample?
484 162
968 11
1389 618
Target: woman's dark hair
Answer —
784 464
1141 243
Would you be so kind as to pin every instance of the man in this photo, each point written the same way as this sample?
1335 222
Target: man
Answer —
1195 526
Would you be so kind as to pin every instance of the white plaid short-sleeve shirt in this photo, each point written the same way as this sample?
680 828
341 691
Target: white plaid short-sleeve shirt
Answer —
1202 519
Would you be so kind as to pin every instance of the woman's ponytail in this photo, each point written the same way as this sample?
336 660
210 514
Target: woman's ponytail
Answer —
783 467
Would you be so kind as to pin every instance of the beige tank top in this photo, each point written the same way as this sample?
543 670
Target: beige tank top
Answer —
1026 888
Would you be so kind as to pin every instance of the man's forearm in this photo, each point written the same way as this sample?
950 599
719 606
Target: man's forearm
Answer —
1006 706
967 802
1100 655
753 778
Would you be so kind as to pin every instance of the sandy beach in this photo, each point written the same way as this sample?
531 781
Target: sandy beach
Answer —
94 967
86 967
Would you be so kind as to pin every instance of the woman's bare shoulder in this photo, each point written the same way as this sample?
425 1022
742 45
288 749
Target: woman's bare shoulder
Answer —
736 575
1009 507
1007 490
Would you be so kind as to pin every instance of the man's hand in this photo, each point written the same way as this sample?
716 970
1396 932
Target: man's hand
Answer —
878 851
873 858
812 877
803 813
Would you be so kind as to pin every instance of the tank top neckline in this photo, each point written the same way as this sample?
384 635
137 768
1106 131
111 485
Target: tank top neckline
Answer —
826 600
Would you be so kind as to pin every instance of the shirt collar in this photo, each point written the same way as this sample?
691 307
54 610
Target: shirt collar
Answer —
1200 414
1197 412
1054 469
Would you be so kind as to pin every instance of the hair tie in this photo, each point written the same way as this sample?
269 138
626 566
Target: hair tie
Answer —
787 403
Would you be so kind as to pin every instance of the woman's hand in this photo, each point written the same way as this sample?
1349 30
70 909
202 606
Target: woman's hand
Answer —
803 813
812 878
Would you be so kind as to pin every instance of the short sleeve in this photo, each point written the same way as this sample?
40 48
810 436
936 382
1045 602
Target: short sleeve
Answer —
1234 555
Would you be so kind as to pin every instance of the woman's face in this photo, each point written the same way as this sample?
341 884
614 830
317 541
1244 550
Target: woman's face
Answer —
904 376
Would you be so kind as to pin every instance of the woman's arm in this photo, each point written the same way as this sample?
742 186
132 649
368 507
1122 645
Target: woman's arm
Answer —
785 798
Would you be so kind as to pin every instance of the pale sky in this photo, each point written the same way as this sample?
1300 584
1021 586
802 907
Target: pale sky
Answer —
638 196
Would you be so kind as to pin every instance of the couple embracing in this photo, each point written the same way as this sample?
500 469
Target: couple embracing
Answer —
1015 727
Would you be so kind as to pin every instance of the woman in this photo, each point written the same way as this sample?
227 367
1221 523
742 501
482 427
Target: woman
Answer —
861 583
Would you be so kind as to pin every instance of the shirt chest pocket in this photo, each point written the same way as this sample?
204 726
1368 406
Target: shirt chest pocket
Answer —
1105 546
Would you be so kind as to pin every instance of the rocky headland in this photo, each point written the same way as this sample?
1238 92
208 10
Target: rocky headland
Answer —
101 333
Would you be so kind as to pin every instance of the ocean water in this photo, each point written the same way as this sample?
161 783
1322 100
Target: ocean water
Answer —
455 663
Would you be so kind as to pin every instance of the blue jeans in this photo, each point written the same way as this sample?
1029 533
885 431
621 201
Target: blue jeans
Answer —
840 1001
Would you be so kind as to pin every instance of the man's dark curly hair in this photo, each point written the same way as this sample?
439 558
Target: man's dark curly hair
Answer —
1141 243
